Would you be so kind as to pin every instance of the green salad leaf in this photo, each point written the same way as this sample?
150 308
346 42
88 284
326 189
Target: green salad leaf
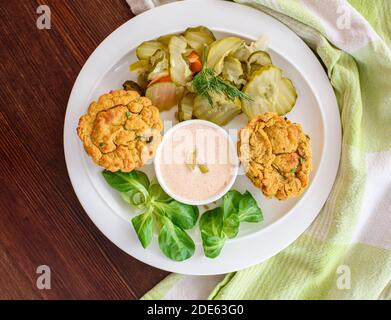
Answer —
183 215
211 222
134 198
248 209
158 194
231 225
212 235
174 242
143 224
167 215
132 185
223 222
231 202
127 181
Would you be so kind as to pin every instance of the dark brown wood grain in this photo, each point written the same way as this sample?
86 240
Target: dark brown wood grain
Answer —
41 220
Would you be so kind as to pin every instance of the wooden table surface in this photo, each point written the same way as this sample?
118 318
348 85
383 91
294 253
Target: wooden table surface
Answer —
41 220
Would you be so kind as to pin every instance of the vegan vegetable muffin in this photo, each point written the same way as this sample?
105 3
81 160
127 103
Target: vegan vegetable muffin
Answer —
121 131
276 155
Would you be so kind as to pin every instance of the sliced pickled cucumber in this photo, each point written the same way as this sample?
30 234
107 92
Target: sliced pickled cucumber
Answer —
260 57
159 62
222 111
157 57
165 40
233 71
198 38
242 53
257 60
270 91
185 107
220 49
140 66
179 70
189 87
146 50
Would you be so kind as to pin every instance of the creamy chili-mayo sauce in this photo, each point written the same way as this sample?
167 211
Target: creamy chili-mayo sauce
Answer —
197 162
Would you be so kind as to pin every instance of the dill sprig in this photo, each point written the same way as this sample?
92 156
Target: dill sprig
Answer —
207 81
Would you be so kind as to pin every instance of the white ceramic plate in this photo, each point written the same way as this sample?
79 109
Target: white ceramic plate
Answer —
316 110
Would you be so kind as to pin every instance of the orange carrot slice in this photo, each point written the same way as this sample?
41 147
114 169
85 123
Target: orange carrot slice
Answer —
163 78
195 62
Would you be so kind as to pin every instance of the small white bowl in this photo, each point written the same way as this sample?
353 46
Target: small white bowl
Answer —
158 157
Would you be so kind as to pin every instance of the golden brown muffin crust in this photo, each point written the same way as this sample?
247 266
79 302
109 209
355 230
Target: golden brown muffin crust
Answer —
121 130
276 155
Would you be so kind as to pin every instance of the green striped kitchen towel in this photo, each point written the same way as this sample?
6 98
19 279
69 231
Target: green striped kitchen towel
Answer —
346 253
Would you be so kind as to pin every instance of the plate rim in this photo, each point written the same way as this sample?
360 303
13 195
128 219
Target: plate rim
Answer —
164 263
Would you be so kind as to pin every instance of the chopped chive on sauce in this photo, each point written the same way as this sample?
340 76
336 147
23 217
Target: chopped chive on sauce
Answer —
192 163
192 160
203 168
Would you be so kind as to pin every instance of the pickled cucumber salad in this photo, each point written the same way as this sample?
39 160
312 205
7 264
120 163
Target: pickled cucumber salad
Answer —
210 79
